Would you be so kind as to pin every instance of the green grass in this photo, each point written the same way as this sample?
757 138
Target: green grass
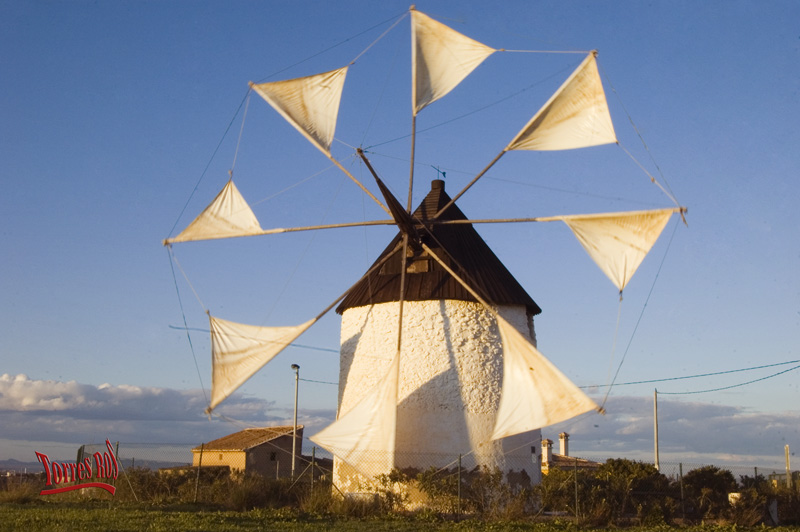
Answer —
56 517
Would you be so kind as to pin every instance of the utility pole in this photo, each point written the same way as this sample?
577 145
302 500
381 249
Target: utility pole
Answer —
788 468
296 369
655 425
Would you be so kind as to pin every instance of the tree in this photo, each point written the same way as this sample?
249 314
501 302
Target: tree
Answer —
707 491
635 488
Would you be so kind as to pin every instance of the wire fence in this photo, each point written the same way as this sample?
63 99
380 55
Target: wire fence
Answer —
489 485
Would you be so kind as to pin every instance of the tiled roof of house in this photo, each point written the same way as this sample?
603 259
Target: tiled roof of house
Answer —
248 438
565 462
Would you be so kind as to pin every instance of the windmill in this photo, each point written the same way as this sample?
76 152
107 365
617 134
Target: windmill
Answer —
438 349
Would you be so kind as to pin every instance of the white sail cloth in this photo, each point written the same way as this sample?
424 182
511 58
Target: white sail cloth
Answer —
618 242
227 216
576 116
238 351
441 58
535 393
364 436
310 104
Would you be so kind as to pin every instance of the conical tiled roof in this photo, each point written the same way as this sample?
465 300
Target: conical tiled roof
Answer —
466 253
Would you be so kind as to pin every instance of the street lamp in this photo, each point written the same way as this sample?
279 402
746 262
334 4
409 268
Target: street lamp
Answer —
296 369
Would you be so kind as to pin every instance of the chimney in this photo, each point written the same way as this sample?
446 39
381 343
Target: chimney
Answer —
563 439
547 451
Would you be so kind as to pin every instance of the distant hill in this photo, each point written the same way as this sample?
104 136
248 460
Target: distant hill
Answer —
36 467
21 467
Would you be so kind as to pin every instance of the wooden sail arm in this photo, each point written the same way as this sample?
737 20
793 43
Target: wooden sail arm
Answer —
231 374
405 221
278 230
469 185
482 301
374 267
681 210
463 283
357 182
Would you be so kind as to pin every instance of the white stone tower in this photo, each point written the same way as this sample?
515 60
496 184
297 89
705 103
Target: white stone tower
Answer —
451 357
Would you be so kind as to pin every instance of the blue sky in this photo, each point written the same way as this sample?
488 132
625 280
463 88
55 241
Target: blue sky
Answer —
112 111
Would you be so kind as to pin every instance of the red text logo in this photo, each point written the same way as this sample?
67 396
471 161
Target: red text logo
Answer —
105 468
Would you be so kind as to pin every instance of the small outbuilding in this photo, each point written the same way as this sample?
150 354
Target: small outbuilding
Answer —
266 450
551 460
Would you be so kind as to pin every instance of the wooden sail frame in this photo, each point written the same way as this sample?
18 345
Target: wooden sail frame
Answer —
408 225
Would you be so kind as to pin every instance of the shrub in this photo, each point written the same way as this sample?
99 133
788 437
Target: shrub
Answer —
706 492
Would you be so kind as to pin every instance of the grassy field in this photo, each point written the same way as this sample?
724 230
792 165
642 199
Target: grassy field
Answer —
59 517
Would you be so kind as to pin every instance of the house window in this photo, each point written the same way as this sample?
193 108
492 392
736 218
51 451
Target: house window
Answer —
272 457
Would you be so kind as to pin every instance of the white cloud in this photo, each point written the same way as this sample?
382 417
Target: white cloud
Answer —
689 431
70 412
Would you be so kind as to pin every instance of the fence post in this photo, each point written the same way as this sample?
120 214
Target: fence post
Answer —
458 507
313 453
116 456
197 478
680 476
577 515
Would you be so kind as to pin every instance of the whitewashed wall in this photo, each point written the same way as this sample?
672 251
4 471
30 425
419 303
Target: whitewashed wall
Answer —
450 381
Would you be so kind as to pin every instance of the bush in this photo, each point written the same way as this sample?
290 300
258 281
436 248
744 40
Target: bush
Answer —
24 492
706 492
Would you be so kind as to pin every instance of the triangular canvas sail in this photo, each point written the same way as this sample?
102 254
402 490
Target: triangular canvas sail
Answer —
364 436
228 215
441 58
618 242
535 393
310 104
576 116
238 351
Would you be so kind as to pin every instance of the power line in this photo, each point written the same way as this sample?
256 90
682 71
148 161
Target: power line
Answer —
708 375
320 382
733 385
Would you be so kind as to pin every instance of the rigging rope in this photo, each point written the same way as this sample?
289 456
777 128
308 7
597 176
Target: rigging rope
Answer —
382 94
286 189
333 46
208 165
613 348
303 254
196 295
477 110
652 179
300 346
381 36
668 190
245 98
641 314
241 129
188 336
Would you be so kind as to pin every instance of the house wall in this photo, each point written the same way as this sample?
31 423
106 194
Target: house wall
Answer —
273 459
450 380
232 459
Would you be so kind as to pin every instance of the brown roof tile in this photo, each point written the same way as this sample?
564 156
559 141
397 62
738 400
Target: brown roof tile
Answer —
247 438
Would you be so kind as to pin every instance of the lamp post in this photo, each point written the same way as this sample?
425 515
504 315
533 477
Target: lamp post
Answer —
296 369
